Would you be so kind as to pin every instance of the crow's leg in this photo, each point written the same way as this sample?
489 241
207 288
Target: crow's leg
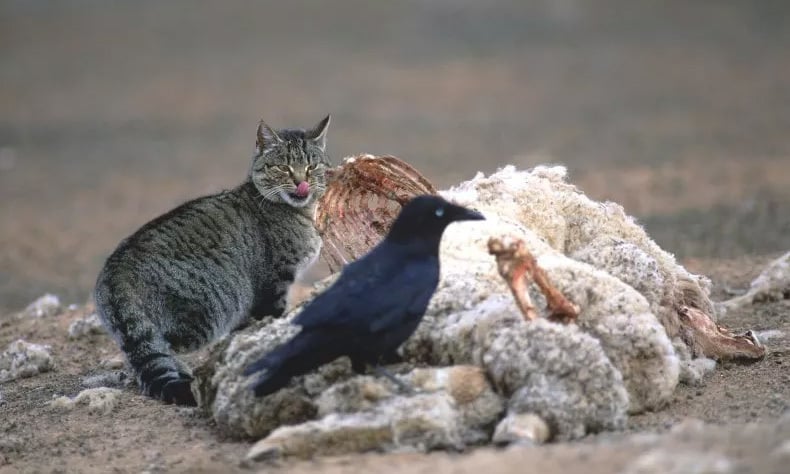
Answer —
360 366
402 386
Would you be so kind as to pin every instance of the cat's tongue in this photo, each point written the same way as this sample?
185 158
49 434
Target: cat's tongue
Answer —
302 189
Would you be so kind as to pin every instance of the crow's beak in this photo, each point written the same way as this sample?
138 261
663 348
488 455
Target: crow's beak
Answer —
469 215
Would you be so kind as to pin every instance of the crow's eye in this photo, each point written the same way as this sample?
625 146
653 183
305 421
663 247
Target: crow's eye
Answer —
439 212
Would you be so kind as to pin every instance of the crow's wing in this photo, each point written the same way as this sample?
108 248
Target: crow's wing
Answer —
406 307
374 292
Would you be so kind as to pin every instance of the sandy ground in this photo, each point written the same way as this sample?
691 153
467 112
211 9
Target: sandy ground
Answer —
112 113
742 406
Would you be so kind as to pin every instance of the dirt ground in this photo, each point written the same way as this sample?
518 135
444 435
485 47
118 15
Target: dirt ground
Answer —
740 405
112 113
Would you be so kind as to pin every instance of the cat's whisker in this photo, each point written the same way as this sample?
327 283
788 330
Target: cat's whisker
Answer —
273 191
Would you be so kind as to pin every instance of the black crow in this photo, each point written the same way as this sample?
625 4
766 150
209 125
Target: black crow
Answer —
375 304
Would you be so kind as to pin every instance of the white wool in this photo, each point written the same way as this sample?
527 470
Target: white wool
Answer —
99 400
585 377
24 359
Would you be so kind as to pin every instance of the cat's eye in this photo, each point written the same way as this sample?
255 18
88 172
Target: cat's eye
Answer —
439 212
283 168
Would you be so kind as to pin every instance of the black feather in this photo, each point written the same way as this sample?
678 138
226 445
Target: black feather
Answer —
376 303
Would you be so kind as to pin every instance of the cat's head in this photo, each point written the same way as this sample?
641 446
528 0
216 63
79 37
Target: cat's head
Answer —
289 165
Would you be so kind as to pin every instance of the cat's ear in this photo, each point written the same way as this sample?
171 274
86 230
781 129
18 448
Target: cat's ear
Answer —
266 137
318 133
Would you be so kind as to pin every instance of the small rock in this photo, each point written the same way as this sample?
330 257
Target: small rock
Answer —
46 306
90 324
100 400
518 428
24 359
116 362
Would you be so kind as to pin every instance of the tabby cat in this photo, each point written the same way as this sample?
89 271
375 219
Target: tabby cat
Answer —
208 266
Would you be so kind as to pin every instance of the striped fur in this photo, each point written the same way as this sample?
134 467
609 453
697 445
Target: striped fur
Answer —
205 268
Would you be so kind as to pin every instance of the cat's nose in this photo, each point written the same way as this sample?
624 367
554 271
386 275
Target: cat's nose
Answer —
298 177
302 189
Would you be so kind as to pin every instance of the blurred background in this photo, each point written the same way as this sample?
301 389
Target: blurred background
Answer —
112 112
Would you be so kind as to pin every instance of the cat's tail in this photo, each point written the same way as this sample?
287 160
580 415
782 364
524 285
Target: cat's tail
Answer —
306 351
159 374
164 377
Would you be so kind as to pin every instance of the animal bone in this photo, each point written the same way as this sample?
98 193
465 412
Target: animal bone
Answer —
363 197
519 268
705 337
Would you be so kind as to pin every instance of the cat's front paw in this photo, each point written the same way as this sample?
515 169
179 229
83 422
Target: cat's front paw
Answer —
170 387
178 392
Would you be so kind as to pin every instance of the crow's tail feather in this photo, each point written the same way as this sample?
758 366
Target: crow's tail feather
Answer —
304 352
